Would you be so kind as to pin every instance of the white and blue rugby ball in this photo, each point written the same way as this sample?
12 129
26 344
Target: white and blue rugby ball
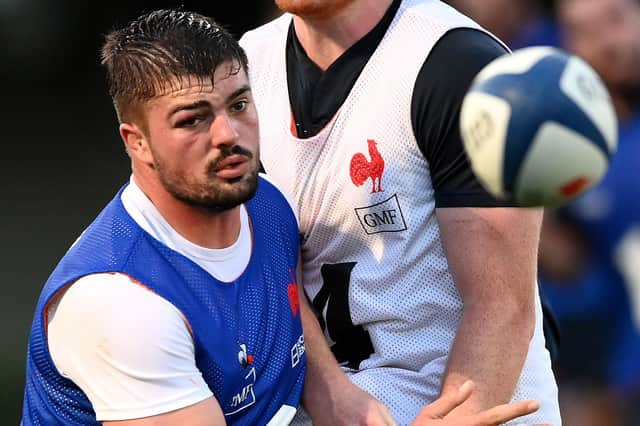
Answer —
538 127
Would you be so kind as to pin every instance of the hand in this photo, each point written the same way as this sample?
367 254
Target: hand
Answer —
350 406
434 414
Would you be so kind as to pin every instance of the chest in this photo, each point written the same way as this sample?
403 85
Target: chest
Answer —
249 342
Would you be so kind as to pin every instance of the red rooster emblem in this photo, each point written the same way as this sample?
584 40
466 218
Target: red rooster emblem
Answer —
292 291
360 169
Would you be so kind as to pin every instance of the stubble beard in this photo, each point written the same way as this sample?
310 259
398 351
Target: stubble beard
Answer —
313 9
216 195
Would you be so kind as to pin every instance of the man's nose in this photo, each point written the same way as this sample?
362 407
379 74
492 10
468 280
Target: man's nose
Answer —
223 131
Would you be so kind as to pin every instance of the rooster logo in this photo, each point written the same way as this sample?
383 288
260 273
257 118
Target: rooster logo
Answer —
292 291
245 359
360 169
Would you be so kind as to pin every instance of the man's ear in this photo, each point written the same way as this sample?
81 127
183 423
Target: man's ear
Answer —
136 142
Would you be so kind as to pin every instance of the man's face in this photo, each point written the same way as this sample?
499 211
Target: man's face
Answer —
204 141
313 9
606 33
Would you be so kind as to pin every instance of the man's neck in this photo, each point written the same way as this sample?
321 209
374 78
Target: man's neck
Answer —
325 40
214 230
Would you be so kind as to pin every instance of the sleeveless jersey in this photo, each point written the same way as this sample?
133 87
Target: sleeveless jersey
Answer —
373 262
247 334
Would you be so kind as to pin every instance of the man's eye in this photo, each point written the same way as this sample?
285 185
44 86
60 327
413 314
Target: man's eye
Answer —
239 106
190 122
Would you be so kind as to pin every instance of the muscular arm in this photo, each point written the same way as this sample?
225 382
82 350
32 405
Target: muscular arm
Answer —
492 256
490 245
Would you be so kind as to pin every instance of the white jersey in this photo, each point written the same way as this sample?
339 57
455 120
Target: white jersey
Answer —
372 254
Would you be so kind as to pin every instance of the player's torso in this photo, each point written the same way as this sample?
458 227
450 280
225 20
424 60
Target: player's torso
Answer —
247 333
371 246
373 263
251 349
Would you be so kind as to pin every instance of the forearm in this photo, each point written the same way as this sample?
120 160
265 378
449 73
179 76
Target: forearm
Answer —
323 371
329 397
495 273
490 350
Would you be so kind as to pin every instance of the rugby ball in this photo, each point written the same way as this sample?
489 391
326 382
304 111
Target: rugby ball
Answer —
538 126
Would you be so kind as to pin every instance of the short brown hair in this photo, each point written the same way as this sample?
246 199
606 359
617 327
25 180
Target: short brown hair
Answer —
147 56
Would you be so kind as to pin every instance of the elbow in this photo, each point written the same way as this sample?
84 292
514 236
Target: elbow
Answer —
515 319
521 321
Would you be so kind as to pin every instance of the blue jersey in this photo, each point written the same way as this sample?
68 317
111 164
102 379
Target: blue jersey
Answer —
247 334
609 215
